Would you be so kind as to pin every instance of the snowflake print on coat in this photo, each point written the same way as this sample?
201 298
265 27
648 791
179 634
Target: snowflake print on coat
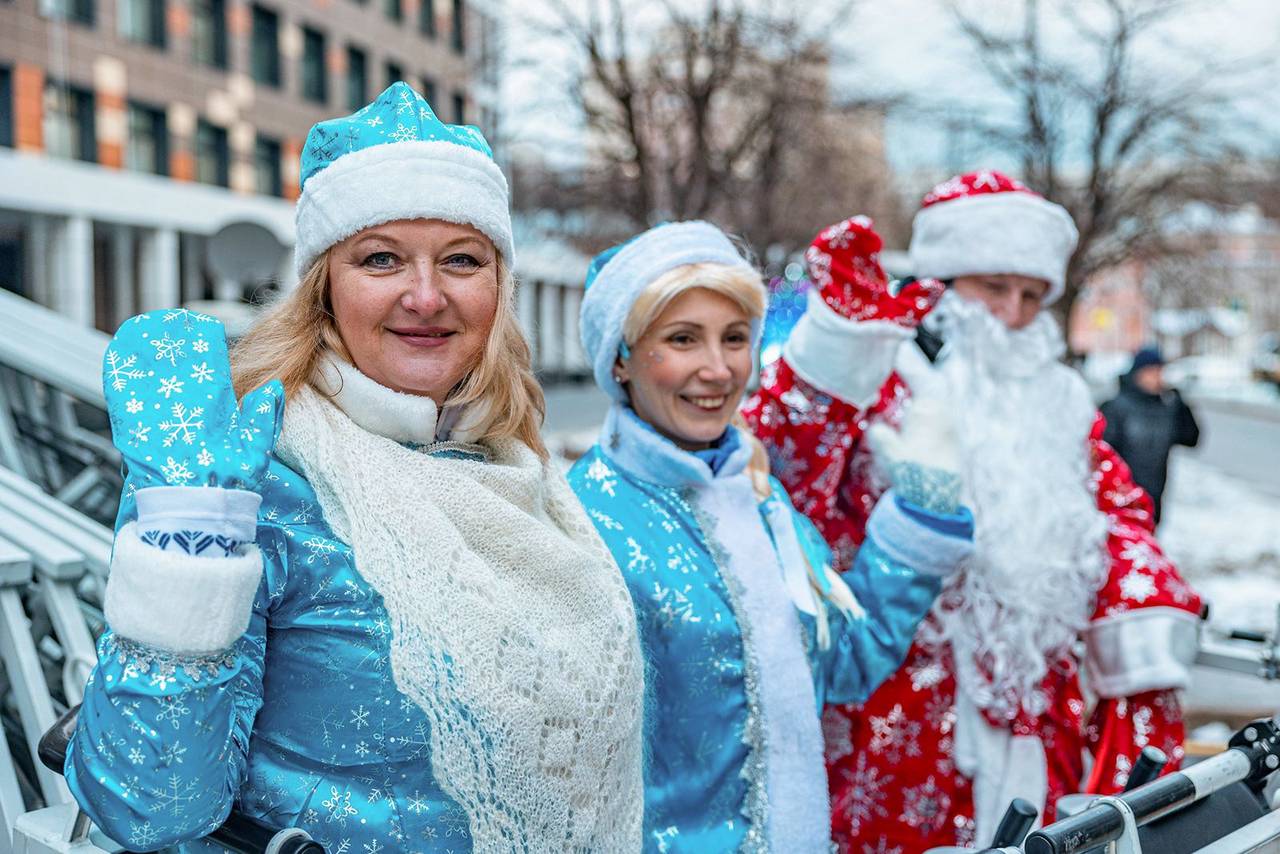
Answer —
300 722
831 480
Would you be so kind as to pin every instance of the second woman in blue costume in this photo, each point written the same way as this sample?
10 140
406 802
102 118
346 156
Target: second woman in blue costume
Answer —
746 630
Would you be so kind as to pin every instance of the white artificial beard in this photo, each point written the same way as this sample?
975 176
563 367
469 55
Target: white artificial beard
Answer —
1023 422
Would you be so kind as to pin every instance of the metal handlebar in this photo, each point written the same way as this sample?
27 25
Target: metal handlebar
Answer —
240 833
1252 755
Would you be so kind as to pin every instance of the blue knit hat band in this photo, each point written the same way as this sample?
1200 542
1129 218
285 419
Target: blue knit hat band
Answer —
613 286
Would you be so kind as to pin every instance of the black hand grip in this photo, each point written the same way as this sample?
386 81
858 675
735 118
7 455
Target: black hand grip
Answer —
1245 635
245 835
1017 820
1150 763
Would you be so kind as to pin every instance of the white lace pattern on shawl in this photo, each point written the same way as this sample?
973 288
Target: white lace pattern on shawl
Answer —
1023 420
512 628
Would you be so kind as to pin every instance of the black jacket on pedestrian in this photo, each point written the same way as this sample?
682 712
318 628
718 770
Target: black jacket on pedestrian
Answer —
1143 427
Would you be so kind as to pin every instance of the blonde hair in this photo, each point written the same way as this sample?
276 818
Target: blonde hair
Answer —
289 340
739 284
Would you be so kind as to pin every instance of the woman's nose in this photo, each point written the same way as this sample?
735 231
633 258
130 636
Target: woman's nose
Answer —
425 293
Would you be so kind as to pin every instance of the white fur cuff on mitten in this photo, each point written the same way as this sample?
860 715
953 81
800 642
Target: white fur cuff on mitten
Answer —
176 602
847 359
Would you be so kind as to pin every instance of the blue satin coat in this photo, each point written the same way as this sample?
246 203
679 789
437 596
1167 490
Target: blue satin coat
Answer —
300 722
704 767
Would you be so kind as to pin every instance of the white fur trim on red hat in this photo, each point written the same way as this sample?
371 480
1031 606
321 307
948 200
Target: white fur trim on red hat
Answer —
994 233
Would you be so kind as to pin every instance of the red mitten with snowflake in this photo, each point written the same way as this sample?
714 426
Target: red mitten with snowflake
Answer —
844 262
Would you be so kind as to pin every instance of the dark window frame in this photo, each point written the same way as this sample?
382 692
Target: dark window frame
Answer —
427 18
266 154
222 151
264 58
6 106
393 10
159 129
79 11
217 18
357 57
458 101
84 115
458 27
394 72
314 88
429 91
157 29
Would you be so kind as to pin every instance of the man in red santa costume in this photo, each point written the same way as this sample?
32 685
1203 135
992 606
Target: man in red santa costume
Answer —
1066 575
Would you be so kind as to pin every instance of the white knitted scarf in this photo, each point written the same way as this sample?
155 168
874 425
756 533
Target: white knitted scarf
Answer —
512 628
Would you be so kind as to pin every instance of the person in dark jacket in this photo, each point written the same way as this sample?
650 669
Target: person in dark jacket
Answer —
1145 420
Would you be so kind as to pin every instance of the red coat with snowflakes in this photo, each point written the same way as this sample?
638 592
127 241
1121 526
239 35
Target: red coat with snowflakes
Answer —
894 784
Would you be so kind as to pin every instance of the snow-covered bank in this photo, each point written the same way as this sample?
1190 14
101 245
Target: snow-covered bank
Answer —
1225 537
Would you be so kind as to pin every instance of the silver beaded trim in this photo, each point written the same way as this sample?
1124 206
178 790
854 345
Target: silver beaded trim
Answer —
755 806
161 664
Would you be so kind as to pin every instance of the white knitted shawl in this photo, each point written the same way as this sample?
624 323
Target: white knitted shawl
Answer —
512 628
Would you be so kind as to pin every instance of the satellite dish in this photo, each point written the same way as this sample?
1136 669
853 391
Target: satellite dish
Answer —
244 252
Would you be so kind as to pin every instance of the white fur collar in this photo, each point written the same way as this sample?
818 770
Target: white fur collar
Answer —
640 450
385 412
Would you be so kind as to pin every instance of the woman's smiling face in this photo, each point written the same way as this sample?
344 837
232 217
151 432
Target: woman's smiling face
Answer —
688 371
414 301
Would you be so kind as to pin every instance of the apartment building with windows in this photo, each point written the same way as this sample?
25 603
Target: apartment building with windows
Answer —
131 131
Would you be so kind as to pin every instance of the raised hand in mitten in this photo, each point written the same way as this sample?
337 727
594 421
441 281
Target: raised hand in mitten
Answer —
174 417
844 262
922 458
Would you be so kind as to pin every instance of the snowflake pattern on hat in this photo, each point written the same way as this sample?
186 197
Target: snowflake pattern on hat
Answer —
399 114
979 183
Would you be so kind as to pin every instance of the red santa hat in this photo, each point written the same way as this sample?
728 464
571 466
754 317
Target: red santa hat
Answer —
987 222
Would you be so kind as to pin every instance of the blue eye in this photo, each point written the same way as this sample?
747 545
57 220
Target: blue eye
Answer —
462 260
380 260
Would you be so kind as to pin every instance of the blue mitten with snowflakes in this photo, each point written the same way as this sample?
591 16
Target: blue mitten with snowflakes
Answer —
194 455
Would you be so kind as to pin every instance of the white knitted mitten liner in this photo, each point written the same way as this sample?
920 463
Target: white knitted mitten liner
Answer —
512 628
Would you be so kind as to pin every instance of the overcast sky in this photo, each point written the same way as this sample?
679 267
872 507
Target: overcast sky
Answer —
911 47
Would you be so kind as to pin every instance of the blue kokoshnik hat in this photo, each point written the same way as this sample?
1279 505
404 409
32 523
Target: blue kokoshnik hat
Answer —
391 160
618 275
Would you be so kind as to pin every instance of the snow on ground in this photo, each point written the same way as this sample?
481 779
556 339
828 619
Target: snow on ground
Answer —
1225 537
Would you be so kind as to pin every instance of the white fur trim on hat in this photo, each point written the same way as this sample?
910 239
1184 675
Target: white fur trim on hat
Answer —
994 233
177 602
403 180
621 280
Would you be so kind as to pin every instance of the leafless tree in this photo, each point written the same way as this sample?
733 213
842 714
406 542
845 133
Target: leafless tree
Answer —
720 110
1100 129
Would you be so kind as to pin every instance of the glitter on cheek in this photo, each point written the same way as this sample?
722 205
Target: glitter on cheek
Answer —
656 357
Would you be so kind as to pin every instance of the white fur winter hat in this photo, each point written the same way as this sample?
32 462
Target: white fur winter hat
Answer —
618 275
390 160
986 222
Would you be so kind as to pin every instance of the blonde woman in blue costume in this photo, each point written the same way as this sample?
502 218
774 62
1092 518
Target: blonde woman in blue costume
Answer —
394 627
746 630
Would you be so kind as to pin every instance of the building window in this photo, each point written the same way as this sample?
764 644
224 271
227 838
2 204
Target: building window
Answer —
315 79
393 9
266 166
429 91
80 11
142 21
459 35
213 156
427 18
6 107
394 73
209 32
357 78
266 46
147 148
459 108
68 123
